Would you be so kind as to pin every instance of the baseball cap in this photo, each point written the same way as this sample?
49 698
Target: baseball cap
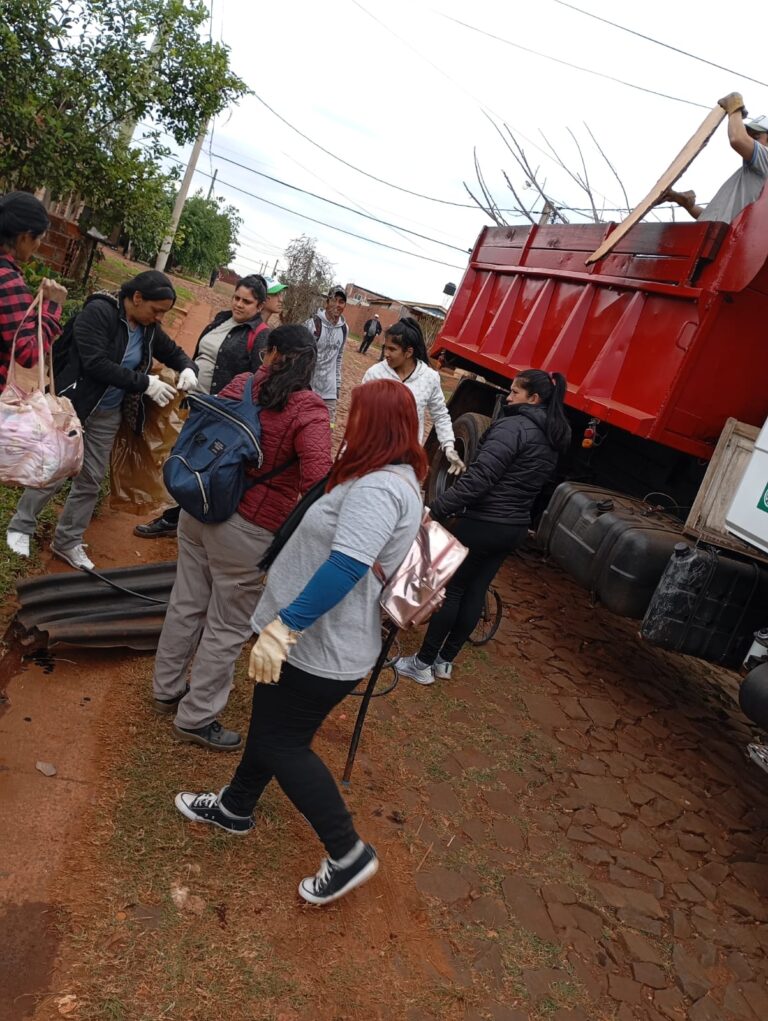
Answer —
759 125
274 286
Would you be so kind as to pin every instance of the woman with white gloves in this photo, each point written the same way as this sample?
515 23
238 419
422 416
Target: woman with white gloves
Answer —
102 365
406 361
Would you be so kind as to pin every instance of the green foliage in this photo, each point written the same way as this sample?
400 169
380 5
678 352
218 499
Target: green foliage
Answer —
207 235
35 271
77 75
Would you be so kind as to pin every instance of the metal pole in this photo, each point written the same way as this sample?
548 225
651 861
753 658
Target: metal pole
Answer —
378 667
213 181
274 271
181 198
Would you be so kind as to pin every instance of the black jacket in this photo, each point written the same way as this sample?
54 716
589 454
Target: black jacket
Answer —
513 462
88 361
234 355
377 330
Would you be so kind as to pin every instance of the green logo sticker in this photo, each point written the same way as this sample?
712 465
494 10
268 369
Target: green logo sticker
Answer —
762 503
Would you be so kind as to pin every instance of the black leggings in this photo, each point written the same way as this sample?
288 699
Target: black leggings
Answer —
284 719
488 544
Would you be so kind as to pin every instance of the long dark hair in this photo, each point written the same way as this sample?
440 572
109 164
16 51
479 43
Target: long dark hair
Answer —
256 284
551 392
21 213
406 333
152 285
293 370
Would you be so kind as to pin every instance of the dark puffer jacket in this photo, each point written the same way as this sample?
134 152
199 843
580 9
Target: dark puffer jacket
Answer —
513 462
302 432
240 351
87 358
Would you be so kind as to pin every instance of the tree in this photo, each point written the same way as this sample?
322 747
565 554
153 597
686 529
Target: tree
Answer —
308 275
74 72
550 208
207 235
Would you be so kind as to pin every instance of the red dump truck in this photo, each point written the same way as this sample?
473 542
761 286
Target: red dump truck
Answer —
664 343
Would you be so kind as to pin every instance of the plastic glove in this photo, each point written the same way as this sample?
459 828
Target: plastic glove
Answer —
270 651
159 392
187 380
732 103
456 464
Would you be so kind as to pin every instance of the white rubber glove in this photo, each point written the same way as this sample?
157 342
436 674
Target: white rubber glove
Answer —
457 466
159 392
270 651
187 380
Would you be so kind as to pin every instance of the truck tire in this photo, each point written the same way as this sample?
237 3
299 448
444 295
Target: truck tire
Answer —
468 430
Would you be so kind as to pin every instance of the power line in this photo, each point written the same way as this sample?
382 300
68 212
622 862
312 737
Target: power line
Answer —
658 42
331 226
339 205
567 63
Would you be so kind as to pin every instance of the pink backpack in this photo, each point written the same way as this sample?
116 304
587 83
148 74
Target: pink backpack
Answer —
41 438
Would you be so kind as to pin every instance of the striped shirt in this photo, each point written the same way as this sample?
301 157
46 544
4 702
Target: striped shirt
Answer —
15 299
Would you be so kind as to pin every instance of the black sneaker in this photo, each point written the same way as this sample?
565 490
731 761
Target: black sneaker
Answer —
157 529
332 881
207 808
168 706
211 736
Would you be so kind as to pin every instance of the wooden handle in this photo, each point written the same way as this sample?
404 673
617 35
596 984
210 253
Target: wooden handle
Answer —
674 171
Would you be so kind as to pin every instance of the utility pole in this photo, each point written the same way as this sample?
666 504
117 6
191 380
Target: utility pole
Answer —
274 271
213 181
547 213
181 198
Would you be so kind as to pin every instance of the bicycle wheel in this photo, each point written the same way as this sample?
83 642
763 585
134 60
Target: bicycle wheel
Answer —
490 619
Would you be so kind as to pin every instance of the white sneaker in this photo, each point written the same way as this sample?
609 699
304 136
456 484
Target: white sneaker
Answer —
442 669
75 556
18 543
411 666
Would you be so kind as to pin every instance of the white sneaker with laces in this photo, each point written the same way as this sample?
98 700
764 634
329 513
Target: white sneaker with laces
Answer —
411 666
443 669
18 543
75 556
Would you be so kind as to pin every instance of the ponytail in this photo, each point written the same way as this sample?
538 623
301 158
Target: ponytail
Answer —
406 333
551 391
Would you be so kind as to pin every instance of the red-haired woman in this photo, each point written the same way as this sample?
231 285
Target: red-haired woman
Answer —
320 632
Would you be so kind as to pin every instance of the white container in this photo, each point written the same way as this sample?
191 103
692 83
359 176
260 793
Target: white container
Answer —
747 516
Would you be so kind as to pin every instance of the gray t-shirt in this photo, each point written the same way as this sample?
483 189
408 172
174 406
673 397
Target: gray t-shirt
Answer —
741 188
369 519
208 352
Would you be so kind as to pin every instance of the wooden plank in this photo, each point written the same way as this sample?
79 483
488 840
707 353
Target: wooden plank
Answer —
675 170
706 521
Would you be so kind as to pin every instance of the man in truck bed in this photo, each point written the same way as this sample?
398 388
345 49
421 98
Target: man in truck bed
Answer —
750 140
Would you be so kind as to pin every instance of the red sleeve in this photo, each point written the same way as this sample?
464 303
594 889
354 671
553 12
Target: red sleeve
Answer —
313 445
15 299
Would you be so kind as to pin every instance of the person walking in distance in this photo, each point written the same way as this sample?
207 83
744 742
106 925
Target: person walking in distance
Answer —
319 628
371 330
491 504
330 329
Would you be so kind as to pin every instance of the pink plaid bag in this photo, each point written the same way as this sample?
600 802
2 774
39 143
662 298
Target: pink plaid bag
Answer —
41 438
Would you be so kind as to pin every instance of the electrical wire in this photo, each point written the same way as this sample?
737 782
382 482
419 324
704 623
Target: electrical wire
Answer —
658 42
567 63
339 205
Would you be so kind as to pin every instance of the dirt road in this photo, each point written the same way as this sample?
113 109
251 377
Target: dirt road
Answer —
569 830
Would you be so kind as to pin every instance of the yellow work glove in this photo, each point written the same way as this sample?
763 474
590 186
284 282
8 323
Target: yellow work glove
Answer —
270 651
732 103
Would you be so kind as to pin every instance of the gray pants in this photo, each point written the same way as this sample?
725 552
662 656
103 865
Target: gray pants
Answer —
331 405
98 436
217 588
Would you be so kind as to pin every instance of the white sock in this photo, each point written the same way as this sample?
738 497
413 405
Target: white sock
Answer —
350 856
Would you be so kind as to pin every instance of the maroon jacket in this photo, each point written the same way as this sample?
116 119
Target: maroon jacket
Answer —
301 430
15 299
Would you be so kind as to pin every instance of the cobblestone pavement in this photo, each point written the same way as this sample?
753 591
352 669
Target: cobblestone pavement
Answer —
590 831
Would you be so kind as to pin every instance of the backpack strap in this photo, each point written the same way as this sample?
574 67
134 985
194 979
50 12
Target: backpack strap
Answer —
318 326
254 334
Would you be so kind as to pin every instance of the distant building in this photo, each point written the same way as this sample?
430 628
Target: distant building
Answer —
362 303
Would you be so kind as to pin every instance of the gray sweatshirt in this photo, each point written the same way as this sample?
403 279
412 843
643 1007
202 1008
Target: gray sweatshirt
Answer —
326 379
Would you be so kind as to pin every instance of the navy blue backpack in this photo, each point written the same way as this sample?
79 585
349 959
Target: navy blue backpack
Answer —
206 470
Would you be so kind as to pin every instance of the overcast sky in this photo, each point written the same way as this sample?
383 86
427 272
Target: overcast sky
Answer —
399 90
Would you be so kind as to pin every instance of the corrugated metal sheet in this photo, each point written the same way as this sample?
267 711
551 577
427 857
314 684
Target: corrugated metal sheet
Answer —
78 608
